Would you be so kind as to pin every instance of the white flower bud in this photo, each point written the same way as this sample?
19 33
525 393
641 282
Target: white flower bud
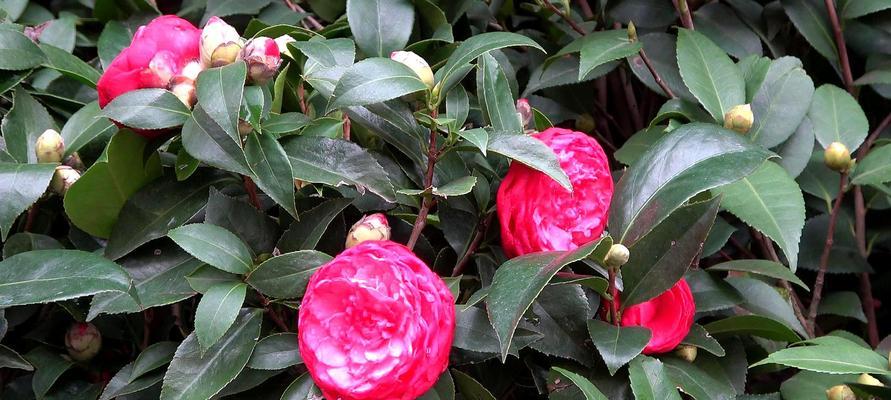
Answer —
49 147
63 178
416 63
282 43
219 43
739 118
370 227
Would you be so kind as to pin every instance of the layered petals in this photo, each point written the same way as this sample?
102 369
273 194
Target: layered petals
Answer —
669 317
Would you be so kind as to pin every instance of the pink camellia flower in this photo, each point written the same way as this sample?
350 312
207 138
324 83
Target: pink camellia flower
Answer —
263 59
537 214
158 53
669 317
376 323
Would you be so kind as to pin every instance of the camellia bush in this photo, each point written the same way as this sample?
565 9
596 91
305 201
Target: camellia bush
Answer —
445 199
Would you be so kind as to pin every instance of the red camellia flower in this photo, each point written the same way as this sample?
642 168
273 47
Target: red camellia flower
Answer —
376 323
669 317
159 52
537 214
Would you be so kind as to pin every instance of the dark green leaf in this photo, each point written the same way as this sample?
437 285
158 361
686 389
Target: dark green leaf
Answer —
215 246
476 46
617 345
754 325
845 304
873 169
10 359
17 52
153 357
85 126
23 124
494 96
561 313
709 73
699 383
719 23
443 390
251 225
48 368
207 277
661 48
302 388
380 26
649 380
763 299
225 8
285 276
761 267
284 124
68 64
700 338
305 233
20 186
588 389
469 388
147 109
374 80
780 104
812 20
837 117
530 152
839 356
217 311
598 48
276 351
208 141
268 161
220 92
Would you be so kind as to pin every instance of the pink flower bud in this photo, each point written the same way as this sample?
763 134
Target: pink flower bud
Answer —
370 227
282 42
524 110
83 341
219 44
416 63
262 57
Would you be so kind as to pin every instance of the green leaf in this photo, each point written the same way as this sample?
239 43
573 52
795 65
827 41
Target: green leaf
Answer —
770 201
588 389
598 48
874 77
780 104
444 389
268 161
276 351
114 37
697 382
764 299
711 294
207 277
156 209
217 311
478 137
44 276
69 65
561 312
215 246
92 203
812 20
251 225
874 169
286 276
754 325
23 124
185 165
159 279
20 186
496 101
220 92
617 345
520 280
124 383
661 48
457 187
374 80
469 388
152 358
284 124
302 388
48 367
13 8
796 152
208 141
324 77
476 46
845 304
380 26
761 267
337 162
812 385
650 381
10 359
27 241
17 52
850 9
85 126
838 357
700 338
844 256
225 8
305 233
147 109
197 374
837 117
661 257
719 23
693 158
458 107
531 152
709 73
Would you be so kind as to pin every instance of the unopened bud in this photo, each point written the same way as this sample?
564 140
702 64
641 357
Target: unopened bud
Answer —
184 89
298 184
263 59
867 379
244 127
837 157
75 162
163 66
63 178
617 256
370 227
192 69
585 123
840 392
49 147
632 32
219 43
83 341
686 352
524 111
282 43
416 63
739 118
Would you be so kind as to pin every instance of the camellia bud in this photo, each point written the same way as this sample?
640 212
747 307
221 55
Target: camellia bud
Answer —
524 110
840 392
370 227
282 43
739 118
686 352
75 162
163 66
632 32
298 184
49 147
83 341
416 63
867 379
585 123
617 256
262 57
837 157
244 128
184 89
220 43
63 178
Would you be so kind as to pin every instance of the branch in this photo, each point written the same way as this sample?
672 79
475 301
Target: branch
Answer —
474 244
309 18
565 17
586 9
842 47
614 293
251 188
656 76
824 258
684 12
428 201
797 307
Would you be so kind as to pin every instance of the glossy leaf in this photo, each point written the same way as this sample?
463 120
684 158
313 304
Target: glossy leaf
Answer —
754 325
530 152
275 352
272 169
380 26
220 92
470 388
839 357
147 109
494 95
20 186
873 169
85 126
215 246
649 380
305 233
812 20
618 345
68 64
286 276
208 141
478 45
709 74
598 48
23 124
374 80
780 104
760 267
837 117
588 389
217 311
17 52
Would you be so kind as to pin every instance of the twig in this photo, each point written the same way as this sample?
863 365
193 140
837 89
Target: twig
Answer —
614 293
684 12
301 97
824 258
797 307
656 76
309 18
251 188
871 139
32 214
277 319
841 46
474 244
346 127
631 101
565 17
428 201
586 9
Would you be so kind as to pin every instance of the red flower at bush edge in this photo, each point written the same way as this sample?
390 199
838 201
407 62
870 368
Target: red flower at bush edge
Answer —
376 323
669 317
537 214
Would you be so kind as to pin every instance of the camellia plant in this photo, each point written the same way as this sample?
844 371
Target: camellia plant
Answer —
445 199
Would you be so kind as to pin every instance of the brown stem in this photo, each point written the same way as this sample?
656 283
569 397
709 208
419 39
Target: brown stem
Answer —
273 314
824 257
656 76
565 17
474 244
586 9
631 101
346 127
684 11
797 307
32 214
301 97
614 293
309 18
428 201
251 188
842 47
871 139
